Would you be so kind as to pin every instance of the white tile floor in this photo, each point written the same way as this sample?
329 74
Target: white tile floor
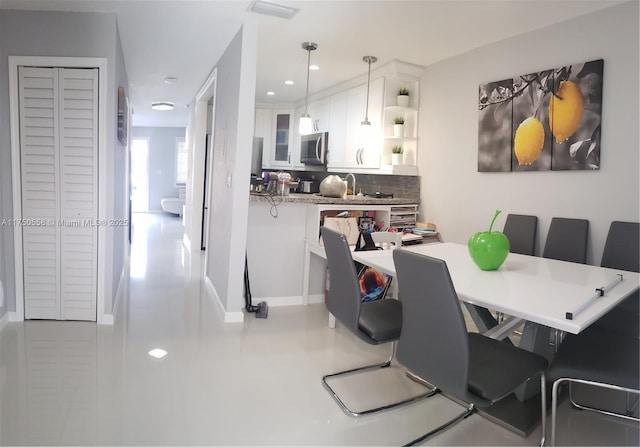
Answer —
257 383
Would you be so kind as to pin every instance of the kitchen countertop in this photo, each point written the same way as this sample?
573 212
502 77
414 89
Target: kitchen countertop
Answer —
320 200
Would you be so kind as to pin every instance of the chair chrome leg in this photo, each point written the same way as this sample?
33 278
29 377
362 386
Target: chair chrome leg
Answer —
543 394
554 402
628 413
465 414
349 412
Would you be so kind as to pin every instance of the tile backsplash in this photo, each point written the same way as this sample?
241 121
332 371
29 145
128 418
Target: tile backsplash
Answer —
401 186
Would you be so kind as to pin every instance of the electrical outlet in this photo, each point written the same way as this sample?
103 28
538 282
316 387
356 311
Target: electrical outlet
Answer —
229 180
1 295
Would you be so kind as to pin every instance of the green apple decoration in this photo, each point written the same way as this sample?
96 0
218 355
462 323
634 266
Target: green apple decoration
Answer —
489 249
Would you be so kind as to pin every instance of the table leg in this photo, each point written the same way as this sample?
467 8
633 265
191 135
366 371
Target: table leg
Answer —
481 317
535 338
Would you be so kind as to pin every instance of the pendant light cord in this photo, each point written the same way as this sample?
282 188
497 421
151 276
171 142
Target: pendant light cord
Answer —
306 98
369 60
366 112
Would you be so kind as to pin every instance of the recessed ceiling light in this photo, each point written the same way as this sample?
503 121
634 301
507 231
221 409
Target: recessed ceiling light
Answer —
157 353
162 105
288 82
271 93
314 67
272 9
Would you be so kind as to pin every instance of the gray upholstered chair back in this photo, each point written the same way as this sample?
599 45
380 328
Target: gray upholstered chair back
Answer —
567 240
521 231
434 342
344 297
622 248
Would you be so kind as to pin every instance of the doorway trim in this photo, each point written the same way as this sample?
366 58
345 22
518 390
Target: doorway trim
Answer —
67 62
193 228
131 173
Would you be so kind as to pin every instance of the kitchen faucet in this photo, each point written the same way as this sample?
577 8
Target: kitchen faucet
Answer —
353 191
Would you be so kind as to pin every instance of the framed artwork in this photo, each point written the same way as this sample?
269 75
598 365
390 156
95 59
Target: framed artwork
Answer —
548 120
123 116
365 223
576 111
495 118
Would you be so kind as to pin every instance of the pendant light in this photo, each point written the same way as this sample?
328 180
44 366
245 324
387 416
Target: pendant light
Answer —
366 124
306 125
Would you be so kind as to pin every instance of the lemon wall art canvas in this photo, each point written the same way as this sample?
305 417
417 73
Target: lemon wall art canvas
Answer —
547 120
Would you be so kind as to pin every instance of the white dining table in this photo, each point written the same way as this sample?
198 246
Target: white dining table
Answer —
539 290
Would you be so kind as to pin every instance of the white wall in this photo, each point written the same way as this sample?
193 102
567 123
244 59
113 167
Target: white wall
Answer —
162 161
461 200
232 141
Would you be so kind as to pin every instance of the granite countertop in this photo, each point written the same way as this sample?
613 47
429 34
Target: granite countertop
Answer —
320 200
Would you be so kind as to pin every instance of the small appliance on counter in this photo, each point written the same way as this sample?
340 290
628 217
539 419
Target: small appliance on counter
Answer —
308 186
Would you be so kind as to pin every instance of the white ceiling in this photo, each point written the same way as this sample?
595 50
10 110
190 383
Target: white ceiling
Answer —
185 39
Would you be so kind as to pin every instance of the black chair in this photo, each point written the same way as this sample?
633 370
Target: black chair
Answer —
567 240
521 231
373 322
596 357
436 346
622 252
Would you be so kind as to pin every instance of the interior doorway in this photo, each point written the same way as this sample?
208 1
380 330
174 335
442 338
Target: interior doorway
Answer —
140 175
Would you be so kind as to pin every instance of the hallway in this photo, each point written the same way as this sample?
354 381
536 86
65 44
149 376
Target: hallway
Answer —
257 383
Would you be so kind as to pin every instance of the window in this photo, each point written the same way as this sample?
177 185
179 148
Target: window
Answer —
182 162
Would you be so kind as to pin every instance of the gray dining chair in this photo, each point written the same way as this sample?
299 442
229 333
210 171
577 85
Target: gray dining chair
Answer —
567 240
521 231
622 252
374 322
599 358
436 346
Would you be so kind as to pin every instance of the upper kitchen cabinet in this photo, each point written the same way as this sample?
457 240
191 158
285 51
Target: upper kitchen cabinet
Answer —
320 112
350 145
276 128
337 130
283 138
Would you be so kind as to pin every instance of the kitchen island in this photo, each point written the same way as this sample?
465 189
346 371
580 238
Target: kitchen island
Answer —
283 233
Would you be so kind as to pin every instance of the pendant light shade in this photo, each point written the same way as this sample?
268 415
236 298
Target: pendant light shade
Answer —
306 124
366 124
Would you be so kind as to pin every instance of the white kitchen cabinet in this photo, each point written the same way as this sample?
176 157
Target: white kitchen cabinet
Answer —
276 128
282 138
337 130
361 149
320 112
262 129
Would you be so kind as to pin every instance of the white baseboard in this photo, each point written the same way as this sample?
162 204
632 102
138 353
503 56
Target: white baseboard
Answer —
120 291
296 300
109 319
13 316
4 320
229 317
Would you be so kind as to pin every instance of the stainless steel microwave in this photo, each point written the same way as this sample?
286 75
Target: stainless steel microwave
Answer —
313 148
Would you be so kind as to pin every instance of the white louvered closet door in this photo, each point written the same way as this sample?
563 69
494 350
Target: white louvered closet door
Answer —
59 163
